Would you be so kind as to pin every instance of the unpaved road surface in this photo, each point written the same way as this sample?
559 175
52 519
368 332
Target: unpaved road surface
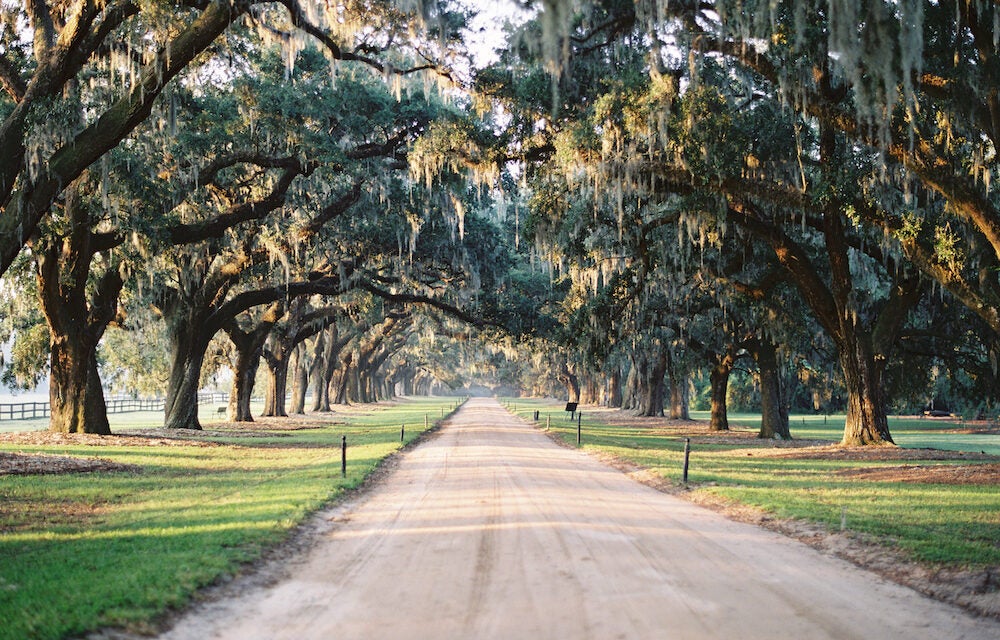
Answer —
490 530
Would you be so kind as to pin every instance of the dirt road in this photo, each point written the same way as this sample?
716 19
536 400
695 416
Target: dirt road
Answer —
489 530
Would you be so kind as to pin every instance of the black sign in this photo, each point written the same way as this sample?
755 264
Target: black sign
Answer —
571 406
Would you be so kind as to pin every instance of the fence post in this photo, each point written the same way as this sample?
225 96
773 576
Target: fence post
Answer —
579 424
402 432
343 456
687 455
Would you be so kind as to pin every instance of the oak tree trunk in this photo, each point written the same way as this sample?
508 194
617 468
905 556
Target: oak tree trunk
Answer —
277 387
341 397
249 350
318 376
244 377
615 397
678 379
630 394
76 398
76 319
652 385
300 381
866 421
569 381
774 413
187 356
719 378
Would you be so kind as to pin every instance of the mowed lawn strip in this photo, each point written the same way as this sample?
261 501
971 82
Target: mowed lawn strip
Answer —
81 551
956 525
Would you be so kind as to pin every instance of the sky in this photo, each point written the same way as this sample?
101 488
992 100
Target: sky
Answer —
487 27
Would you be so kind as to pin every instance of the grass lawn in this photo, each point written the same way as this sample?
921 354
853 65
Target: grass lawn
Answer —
80 551
944 523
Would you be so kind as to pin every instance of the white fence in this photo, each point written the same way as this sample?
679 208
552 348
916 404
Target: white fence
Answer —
37 410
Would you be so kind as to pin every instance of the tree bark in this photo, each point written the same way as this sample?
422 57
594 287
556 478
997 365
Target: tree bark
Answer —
249 347
76 398
300 380
569 381
324 377
277 386
652 385
678 378
244 378
866 421
719 378
314 375
300 325
188 346
774 413
332 381
354 383
630 394
345 377
615 397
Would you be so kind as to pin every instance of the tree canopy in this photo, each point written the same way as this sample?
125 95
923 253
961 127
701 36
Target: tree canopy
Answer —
648 204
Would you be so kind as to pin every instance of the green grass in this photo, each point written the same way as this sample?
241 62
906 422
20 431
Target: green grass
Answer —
82 551
957 525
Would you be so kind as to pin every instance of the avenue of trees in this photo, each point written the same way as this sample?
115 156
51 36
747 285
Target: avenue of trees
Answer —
653 205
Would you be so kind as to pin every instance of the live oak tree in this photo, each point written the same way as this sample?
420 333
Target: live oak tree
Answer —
653 137
908 84
103 218
776 327
61 126
848 144
306 318
336 149
248 342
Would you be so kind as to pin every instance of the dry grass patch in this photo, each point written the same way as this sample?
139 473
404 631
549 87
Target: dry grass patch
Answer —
40 463
820 450
145 438
982 474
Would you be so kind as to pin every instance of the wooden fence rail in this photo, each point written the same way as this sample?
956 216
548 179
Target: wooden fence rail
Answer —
38 410
24 411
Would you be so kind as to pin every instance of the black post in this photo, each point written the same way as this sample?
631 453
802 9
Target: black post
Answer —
687 455
579 421
402 432
536 415
343 456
